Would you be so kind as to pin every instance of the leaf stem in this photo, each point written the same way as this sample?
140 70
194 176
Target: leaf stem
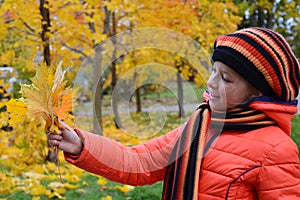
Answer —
57 164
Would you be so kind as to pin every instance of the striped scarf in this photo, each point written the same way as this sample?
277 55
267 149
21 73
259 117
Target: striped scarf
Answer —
183 172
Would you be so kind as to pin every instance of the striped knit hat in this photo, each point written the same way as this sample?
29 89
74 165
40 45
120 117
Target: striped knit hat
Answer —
264 58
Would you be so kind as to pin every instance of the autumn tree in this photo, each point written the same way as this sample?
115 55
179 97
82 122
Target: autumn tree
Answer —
281 16
71 31
202 22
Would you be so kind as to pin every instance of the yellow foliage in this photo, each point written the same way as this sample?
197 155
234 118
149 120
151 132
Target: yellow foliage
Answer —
24 167
101 181
38 189
125 188
106 198
17 110
70 186
55 194
74 175
8 58
111 6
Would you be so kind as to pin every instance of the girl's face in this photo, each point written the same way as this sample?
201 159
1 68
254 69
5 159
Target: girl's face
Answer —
227 89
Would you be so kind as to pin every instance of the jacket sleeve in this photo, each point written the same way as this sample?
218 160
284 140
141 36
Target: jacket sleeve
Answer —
137 165
279 176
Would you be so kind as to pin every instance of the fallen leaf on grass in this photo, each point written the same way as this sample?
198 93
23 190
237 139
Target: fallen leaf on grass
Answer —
125 188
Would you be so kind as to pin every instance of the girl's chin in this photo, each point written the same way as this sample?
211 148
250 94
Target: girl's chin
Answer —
217 108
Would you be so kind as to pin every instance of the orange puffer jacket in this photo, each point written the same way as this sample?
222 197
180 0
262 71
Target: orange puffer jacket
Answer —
258 164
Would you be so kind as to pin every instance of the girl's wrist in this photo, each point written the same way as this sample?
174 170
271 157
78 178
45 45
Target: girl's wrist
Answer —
78 148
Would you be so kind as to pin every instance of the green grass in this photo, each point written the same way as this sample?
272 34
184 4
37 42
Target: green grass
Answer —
296 131
93 191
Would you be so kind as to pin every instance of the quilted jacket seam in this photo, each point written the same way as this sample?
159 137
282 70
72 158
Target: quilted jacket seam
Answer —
242 174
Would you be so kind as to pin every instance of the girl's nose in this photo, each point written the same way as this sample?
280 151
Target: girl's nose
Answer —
211 82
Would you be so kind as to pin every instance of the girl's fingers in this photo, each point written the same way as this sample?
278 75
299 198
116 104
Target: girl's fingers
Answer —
53 142
66 126
52 136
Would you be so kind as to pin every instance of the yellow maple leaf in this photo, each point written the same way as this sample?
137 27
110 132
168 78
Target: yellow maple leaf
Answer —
17 110
102 181
37 104
125 188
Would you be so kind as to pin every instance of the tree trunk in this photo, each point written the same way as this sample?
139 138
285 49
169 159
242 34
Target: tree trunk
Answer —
97 71
138 100
260 17
114 73
97 82
180 95
44 10
137 93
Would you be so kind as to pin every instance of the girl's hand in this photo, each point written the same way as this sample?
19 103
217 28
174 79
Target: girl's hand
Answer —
67 140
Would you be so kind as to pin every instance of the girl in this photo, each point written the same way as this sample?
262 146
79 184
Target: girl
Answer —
236 145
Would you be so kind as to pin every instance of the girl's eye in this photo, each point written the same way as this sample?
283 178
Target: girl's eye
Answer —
226 80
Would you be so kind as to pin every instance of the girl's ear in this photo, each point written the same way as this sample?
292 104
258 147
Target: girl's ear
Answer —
255 93
258 93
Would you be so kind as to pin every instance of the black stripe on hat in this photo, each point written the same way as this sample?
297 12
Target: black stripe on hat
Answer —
244 67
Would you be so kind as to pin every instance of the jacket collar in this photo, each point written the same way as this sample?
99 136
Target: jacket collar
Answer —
281 112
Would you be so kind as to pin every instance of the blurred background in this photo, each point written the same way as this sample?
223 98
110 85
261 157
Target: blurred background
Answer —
85 35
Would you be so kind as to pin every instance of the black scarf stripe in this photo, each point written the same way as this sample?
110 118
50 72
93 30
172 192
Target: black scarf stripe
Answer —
190 176
236 115
175 172
245 126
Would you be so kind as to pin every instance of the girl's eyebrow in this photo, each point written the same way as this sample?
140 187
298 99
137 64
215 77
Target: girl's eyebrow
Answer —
228 73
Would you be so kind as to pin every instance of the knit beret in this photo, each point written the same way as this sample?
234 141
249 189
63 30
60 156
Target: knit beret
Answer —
264 58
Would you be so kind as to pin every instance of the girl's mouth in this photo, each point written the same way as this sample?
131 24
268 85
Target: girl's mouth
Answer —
213 96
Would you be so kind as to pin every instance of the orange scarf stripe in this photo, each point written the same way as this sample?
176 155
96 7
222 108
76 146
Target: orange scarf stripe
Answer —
185 156
241 120
201 145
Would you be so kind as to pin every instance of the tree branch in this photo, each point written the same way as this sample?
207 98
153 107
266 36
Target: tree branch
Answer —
27 25
76 51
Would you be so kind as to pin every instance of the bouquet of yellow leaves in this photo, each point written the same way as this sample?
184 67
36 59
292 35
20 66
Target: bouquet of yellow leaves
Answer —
47 99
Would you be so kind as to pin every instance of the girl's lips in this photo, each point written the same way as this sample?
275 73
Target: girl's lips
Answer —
213 96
